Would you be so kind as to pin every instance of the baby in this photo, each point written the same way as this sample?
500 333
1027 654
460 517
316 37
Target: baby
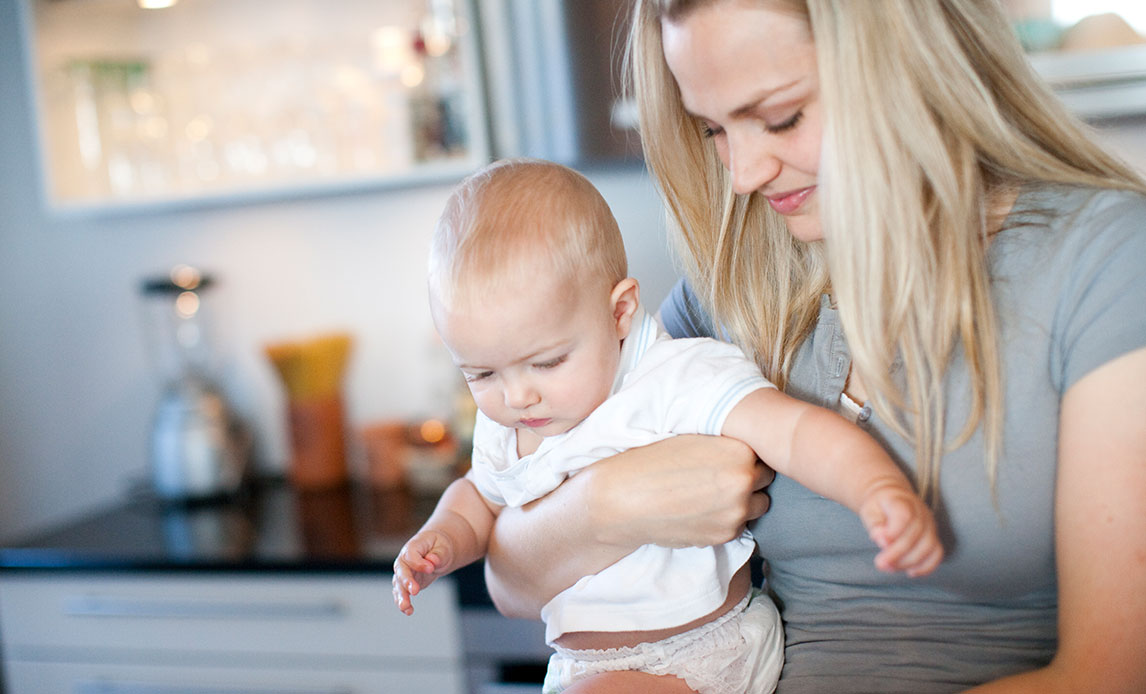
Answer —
529 291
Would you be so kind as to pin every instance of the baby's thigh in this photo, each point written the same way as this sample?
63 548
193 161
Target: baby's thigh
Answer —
630 682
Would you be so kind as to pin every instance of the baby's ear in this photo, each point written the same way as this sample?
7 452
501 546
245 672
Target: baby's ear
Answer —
625 298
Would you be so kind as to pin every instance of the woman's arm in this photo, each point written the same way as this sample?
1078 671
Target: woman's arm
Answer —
681 492
1100 537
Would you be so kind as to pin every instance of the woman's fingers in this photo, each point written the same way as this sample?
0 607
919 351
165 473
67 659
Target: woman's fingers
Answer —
758 500
764 475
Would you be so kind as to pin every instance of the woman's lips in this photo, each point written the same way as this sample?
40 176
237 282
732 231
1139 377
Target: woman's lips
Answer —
788 203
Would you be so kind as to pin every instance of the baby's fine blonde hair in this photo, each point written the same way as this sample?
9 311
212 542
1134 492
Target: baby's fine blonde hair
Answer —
504 221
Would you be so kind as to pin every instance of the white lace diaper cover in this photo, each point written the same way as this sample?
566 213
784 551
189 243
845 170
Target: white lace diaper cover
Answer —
741 651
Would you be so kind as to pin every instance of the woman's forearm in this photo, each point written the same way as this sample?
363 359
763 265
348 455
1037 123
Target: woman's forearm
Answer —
539 550
681 492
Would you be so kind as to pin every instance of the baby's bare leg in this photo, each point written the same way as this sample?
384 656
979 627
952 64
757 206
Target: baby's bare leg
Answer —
630 682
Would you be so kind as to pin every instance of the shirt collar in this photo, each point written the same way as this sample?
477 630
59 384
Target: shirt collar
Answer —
642 334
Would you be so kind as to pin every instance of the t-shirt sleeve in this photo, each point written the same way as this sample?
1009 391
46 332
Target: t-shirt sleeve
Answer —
710 379
1101 314
681 314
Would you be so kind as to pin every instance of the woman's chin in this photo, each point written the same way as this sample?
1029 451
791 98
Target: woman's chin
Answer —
805 228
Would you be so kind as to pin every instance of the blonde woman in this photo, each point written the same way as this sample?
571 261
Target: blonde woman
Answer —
881 203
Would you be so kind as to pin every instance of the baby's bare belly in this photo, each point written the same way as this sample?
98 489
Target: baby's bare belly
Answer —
599 640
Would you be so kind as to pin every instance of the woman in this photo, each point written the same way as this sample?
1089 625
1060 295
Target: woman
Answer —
881 203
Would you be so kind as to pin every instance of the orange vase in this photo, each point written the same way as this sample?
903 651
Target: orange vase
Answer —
318 443
311 372
387 448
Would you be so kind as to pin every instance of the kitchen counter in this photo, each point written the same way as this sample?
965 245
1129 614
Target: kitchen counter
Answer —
273 588
271 527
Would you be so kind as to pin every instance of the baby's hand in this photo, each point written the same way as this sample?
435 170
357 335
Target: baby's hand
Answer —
902 526
425 557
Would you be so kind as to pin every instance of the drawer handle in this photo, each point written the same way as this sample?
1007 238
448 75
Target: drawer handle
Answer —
114 688
96 606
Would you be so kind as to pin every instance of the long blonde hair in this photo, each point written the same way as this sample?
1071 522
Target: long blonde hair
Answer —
944 116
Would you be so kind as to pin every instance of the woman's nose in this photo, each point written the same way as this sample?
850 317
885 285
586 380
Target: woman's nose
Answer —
751 162
520 394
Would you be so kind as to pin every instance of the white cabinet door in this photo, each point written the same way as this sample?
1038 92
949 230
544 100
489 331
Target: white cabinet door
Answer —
187 633
309 616
93 678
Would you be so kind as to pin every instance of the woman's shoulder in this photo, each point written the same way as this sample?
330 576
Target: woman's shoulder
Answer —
1054 225
1078 210
1068 274
682 315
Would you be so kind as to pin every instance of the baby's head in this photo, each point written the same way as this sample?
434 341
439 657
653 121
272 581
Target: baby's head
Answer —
528 290
523 219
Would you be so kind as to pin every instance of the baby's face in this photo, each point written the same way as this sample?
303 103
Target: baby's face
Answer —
537 356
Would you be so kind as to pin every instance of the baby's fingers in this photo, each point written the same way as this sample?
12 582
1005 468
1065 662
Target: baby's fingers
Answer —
875 521
425 560
892 553
420 564
917 550
895 545
898 514
927 551
404 588
927 563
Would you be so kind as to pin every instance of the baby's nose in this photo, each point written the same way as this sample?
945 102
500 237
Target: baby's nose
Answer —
520 395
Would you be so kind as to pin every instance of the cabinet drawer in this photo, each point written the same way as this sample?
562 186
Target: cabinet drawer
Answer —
73 678
310 616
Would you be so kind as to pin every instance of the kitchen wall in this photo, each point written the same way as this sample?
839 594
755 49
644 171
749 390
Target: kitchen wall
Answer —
76 389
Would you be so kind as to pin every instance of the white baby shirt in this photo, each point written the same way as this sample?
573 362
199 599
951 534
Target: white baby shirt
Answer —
662 387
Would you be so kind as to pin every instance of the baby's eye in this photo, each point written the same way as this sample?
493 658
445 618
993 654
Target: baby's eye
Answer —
479 376
552 363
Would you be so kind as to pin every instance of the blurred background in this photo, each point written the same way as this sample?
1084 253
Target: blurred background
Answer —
307 188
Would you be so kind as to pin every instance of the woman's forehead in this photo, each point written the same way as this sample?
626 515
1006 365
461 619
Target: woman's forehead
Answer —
727 60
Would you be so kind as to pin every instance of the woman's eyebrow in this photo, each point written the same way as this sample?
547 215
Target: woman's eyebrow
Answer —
750 104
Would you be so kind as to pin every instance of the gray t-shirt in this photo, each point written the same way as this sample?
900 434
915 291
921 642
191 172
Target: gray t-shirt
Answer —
1069 279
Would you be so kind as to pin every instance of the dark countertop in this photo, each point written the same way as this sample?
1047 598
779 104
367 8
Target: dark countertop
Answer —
269 528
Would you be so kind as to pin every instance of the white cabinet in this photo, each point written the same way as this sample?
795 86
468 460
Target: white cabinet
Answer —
243 99
224 633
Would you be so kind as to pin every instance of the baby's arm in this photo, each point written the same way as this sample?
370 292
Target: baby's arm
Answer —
836 459
456 534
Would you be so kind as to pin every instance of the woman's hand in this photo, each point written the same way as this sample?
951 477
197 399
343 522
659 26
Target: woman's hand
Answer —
680 492
688 491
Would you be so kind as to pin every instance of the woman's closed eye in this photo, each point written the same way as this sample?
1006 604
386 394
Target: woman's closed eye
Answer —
710 130
786 125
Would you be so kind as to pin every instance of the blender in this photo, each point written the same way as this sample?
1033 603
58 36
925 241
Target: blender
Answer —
196 447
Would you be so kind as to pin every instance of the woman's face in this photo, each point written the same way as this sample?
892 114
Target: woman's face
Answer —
749 76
